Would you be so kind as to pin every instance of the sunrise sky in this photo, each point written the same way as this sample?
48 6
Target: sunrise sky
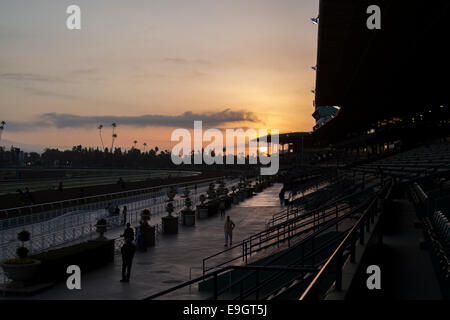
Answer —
152 66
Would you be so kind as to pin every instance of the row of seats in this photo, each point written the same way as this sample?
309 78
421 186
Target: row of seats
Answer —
412 163
442 228
437 231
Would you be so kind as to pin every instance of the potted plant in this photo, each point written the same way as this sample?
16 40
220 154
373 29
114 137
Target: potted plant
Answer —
202 208
101 228
169 222
188 214
234 195
147 231
21 269
171 194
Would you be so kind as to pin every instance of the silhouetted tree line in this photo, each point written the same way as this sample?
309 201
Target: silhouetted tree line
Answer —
81 156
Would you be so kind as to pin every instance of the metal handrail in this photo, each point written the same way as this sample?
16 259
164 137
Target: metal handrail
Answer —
253 268
215 274
286 226
349 240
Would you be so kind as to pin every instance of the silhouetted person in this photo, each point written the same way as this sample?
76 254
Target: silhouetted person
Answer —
116 211
121 183
140 237
228 228
128 250
124 214
128 234
21 195
110 209
28 196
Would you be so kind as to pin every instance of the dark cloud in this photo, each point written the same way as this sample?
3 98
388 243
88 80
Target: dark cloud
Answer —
185 120
186 61
29 77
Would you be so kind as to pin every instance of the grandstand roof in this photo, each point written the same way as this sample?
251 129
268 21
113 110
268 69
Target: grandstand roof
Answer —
377 74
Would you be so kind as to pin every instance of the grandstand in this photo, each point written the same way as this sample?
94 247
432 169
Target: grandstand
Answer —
370 186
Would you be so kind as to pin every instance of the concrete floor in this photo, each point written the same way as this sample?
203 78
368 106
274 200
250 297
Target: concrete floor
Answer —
174 257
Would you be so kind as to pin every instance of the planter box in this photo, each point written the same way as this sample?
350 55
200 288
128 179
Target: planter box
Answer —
213 208
148 232
188 217
170 225
87 255
228 202
22 273
202 212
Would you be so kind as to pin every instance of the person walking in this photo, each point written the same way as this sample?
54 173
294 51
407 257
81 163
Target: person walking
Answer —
124 214
228 228
128 250
117 211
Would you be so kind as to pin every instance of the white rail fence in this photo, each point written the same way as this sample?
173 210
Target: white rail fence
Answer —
57 229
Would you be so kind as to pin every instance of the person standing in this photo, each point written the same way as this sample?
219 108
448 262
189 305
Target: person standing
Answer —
124 214
128 233
228 228
128 250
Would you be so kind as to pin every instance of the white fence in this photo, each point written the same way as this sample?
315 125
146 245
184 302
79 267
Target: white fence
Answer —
55 229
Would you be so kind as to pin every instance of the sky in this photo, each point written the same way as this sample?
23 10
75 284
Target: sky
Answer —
152 66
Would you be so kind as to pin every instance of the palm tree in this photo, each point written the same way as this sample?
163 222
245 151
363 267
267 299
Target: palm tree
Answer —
156 149
135 142
114 135
2 127
100 127
145 145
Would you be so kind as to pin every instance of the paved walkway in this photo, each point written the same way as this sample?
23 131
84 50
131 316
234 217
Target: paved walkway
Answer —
171 260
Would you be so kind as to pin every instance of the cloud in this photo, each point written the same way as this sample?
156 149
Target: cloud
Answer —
184 120
186 61
30 77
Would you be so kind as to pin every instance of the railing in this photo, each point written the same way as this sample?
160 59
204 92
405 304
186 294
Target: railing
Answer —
336 261
287 213
215 274
46 236
310 249
27 214
294 226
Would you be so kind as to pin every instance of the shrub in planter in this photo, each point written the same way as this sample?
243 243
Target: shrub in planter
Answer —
22 269
188 214
213 206
101 228
148 234
202 208
234 195
169 222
